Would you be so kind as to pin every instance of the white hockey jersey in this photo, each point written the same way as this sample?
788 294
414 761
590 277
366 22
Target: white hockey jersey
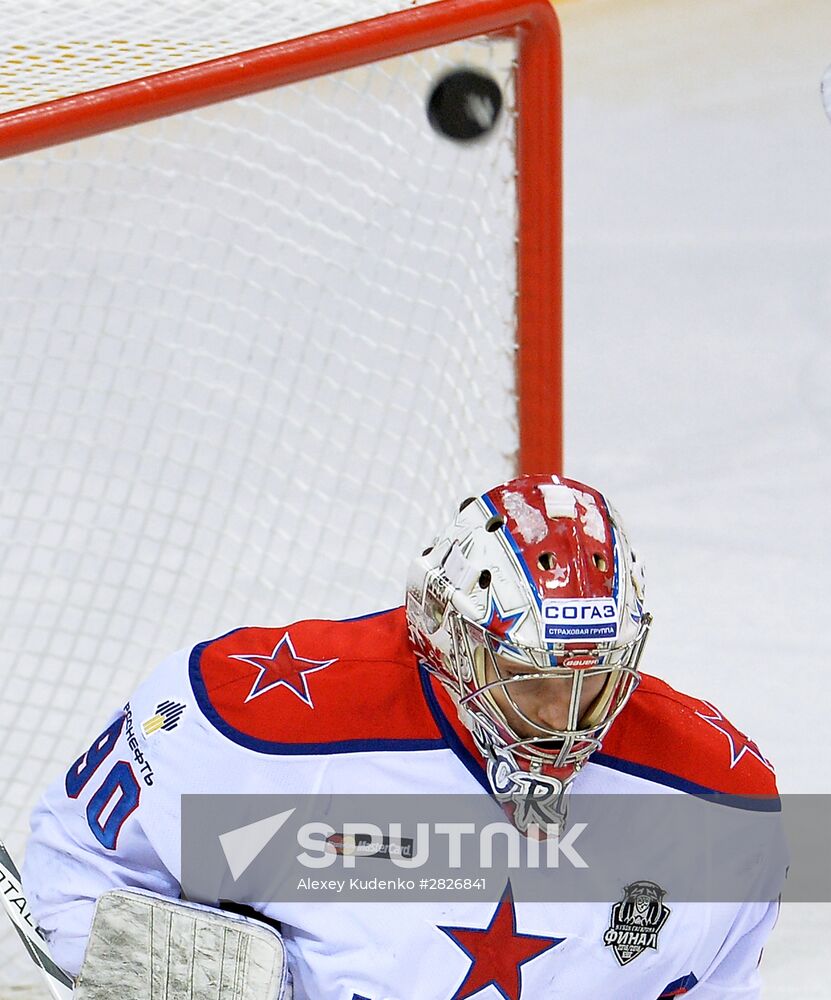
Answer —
344 707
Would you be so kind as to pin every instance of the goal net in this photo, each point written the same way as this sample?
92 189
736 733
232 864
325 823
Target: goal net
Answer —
262 325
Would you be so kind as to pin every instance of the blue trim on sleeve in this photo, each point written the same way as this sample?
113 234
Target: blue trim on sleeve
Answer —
275 747
755 803
473 764
678 987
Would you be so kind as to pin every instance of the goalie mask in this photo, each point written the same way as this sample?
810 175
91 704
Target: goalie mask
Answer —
529 610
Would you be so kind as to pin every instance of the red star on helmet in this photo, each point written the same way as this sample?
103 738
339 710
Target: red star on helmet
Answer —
497 951
282 668
501 622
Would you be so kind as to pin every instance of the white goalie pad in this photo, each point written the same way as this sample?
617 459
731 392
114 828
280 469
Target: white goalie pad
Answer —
147 947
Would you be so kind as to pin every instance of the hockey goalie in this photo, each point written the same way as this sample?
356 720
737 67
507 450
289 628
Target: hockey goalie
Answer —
493 677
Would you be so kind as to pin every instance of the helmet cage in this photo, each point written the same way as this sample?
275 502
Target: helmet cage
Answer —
476 666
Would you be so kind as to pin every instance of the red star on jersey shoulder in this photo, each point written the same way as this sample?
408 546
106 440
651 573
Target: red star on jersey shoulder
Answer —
497 951
739 743
282 668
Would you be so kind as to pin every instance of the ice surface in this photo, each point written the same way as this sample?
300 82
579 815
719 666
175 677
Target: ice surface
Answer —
698 359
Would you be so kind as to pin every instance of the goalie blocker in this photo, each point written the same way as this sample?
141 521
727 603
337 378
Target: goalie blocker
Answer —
143 946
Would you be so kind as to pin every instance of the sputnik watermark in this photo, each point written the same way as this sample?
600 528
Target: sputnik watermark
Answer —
253 848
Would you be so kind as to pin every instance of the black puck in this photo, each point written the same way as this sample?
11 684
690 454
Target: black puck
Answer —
464 105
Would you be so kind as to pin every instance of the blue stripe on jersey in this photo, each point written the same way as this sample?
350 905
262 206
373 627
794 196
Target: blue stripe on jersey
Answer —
475 765
678 987
753 803
276 747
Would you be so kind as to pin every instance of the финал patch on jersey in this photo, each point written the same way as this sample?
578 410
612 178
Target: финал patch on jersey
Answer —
636 921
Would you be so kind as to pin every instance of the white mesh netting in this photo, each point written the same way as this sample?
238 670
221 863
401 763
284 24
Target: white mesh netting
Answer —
251 357
56 50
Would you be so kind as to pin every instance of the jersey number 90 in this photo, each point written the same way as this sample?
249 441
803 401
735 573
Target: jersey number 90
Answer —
118 794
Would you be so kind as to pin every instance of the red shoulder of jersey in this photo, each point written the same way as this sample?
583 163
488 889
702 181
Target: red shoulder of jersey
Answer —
684 742
316 687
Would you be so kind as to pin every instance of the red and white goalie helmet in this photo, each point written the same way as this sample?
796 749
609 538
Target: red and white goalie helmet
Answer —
529 608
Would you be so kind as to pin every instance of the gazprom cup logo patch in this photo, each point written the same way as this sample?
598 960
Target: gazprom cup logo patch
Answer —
166 717
570 618
636 921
